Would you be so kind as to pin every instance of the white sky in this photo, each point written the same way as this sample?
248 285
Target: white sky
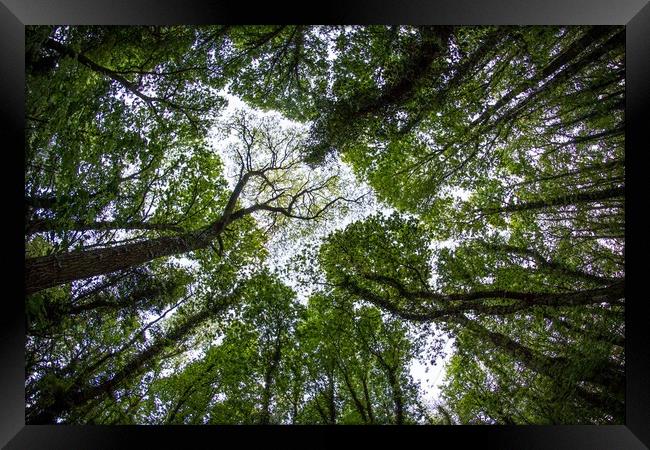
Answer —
429 376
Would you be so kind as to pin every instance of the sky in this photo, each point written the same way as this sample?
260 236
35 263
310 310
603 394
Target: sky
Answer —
283 246
428 374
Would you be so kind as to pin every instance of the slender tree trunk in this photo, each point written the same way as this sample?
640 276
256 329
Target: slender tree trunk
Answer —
607 375
353 394
596 335
562 60
366 395
590 169
564 200
321 411
67 51
104 301
331 401
525 301
398 401
551 266
571 70
185 395
76 396
268 382
603 402
294 408
396 389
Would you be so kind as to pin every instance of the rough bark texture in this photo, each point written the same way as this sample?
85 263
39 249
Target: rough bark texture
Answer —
46 225
48 271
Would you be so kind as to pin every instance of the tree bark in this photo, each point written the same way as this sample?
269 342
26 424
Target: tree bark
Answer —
47 271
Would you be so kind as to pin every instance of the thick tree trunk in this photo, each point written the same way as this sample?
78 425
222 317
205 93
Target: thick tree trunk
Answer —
47 225
48 271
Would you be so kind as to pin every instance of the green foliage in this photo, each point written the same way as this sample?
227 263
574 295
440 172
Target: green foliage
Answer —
495 153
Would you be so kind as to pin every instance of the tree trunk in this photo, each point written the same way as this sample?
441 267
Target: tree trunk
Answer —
331 401
47 271
525 301
551 266
353 394
562 60
607 375
47 225
76 396
398 401
366 394
564 200
268 382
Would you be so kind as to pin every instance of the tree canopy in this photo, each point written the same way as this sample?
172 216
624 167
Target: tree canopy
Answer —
278 224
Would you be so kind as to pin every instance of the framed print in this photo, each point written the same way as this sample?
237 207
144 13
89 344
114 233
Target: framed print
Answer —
409 220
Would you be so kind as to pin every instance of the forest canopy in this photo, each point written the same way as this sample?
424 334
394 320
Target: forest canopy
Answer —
295 224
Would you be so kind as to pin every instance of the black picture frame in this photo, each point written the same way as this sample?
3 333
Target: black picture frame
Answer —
15 14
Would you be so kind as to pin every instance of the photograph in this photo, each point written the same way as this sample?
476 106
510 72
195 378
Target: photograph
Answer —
325 224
